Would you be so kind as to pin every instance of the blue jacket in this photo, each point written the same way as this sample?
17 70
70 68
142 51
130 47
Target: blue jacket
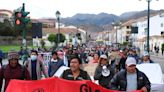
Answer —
1 54
54 66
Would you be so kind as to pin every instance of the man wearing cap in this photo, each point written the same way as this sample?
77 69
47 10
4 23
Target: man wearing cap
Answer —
104 72
130 78
13 70
145 58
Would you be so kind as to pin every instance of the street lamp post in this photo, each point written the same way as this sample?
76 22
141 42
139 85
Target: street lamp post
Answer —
58 19
148 24
116 25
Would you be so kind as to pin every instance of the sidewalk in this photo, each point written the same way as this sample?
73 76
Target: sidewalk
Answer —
152 54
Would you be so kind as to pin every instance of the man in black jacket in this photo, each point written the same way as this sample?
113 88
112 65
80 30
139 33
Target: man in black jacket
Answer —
75 73
131 78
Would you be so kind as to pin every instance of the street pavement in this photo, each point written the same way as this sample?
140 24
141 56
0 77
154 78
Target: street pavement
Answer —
158 59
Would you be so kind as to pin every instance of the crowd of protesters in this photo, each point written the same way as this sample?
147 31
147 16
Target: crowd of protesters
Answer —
116 67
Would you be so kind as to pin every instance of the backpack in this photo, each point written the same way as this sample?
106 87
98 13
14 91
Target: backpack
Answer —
22 70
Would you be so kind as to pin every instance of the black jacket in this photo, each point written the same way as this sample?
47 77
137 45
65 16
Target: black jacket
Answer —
119 81
67 74
103 81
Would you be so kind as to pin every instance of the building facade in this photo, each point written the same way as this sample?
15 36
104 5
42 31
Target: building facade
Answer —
5 14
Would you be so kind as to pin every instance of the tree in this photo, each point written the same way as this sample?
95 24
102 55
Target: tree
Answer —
62 38
54 38
51 38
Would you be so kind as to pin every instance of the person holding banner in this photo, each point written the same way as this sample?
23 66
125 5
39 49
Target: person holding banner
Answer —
130 78
104 72
13 70
35 66
54 64
75 72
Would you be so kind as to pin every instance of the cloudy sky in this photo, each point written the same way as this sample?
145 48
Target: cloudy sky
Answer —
68 8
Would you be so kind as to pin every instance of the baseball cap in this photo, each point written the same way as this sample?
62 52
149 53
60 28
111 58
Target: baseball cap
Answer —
130 61
145 53
103 56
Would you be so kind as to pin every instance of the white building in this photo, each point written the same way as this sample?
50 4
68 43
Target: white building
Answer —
69 32
155 29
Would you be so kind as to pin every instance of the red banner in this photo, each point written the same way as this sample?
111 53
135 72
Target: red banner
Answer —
55 85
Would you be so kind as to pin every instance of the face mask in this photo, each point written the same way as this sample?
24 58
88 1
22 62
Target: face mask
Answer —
33 57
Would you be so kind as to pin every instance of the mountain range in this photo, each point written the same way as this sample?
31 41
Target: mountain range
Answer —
102 19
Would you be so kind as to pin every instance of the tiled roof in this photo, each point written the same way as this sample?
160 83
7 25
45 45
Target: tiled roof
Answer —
62 30
44 20
6 10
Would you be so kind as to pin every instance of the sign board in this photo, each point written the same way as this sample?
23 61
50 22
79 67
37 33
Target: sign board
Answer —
134 30
153 72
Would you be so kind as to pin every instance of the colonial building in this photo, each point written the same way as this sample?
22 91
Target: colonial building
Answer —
70 33
140 39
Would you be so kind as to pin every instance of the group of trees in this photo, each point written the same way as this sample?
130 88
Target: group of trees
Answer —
7 28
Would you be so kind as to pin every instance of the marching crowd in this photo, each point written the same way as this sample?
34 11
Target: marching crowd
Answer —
116 68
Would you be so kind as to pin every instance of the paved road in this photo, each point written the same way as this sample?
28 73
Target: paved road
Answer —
158 59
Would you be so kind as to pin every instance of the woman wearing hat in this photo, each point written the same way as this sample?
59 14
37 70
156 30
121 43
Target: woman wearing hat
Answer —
13 70
104 73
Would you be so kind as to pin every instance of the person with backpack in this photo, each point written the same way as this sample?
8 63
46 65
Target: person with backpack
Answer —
13 70
35 66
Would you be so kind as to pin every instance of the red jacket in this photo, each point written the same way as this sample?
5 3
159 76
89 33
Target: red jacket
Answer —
12 73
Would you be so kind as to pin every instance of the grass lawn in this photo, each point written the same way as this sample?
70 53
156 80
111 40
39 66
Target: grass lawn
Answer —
7 48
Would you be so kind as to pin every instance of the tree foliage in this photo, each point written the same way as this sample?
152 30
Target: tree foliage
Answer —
7 28
54 38
62 38
51 38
